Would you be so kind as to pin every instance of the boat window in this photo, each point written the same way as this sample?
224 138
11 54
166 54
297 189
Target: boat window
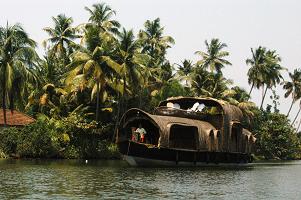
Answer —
219 140
236 132
212 145
183 137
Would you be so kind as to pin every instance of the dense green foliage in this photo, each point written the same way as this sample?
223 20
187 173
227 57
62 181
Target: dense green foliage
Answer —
92 73
70 137
276 139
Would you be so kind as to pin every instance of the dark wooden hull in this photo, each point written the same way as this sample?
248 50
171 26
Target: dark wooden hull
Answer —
137 154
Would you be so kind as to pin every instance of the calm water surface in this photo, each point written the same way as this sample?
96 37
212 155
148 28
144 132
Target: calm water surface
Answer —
59 179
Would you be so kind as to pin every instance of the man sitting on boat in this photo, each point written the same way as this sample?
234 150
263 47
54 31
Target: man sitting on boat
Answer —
142 132
135 135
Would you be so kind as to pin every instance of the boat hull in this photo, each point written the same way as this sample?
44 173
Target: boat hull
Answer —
137 154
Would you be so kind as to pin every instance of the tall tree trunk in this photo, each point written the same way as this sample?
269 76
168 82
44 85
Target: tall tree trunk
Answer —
298 126
140 97
296 115
124 95
4 103
263 97
290 108
117 118
251 91
97 100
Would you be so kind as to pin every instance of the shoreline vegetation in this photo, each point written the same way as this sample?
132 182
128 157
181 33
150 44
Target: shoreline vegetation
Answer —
92 72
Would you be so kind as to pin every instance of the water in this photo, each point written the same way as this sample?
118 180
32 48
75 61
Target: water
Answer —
59 179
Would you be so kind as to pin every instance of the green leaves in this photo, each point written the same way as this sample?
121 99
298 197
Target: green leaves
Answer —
276 138
17 58
213 57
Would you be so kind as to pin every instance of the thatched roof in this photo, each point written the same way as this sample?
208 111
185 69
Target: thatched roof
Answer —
163 121
15 118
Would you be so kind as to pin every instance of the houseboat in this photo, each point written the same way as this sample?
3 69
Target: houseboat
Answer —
185 131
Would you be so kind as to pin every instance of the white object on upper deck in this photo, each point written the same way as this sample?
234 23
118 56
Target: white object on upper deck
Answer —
195 106
200 107
176 105
169 105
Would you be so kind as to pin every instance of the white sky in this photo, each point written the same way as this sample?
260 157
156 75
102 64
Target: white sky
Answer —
241 24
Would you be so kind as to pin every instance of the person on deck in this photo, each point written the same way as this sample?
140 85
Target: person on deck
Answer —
142 133
135 135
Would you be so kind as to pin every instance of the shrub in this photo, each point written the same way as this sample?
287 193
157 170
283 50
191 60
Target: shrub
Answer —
276 138
70 137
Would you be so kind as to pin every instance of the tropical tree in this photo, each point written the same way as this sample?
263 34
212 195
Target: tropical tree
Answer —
100 16
209 84
299 110
62 36
17 54
130 60
214 57
153 42
256 71
293 87
184 71
240 94
92 66
272 74
265 70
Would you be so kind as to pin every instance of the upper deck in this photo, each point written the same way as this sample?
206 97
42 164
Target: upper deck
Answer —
199 108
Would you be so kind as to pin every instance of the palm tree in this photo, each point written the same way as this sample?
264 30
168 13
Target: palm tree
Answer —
16 56
272 74
209 84
265 70
299 124
297 114
240 95
100 16
130 60
153 42
214 56
257 63
93 67
293 87
184 71
62 37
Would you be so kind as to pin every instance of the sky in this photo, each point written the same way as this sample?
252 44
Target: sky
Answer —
241 24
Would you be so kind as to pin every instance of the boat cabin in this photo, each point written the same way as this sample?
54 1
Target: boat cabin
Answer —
192 124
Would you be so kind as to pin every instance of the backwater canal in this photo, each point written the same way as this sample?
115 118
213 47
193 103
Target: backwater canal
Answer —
73 179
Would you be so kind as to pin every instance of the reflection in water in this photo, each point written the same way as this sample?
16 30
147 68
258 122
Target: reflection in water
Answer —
60 179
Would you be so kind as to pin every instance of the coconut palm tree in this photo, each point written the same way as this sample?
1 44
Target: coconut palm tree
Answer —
293 87
93 67
272 74
100 16
130 60
153 42
256 71
214 57
210 84
299 110
184 71
17 53
62 36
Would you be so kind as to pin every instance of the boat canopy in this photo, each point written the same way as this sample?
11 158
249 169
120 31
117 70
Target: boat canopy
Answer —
221 130
230 112
164 125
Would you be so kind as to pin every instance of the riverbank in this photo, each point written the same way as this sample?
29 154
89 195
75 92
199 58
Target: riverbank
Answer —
74 137
71 137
